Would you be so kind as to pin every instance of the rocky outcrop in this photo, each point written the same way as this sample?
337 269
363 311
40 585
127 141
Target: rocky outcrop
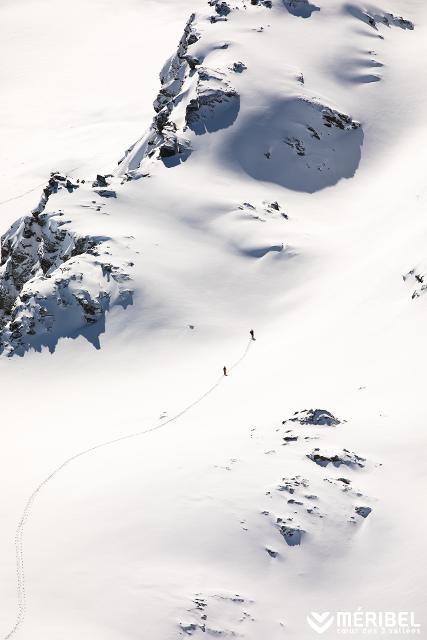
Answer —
222 9
165 138
53 282
218 615
215 104
333 118
337 459
373 19
416 277
238 67
192 99
315 417
262 3
292 535
291 484
176 69
262 212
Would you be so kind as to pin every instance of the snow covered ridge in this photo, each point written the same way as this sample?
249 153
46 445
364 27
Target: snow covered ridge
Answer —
297 140
49 274
53 281
192 97
416 278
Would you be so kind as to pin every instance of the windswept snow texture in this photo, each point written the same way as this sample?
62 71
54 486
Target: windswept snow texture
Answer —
315 417
416 279
260 226
165 138
300 8
299 144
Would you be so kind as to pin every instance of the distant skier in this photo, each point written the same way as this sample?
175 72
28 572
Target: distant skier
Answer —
252 332
225 371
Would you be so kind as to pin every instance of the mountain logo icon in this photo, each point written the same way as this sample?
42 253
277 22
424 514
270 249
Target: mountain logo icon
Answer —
320 622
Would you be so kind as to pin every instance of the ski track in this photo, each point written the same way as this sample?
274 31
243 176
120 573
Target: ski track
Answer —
19 539
69 172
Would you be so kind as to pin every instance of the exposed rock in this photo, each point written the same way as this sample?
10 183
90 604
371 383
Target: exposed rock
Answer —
292 535
397 21
100 181
44 293
345 458
215 105
296 144
262 3
163 136
222 8
290 484
55 183
344 480
172 144
288 439
363 511
333 118
316 417
238 67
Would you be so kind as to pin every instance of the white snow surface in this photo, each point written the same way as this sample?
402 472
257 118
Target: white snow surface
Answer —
190 517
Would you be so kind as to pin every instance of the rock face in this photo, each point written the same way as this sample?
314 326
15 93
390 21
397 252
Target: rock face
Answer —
222 8
53 282
192 99
261 212
238 67
373 19
55 183
176 69
165 137
416 277
316 417
215 104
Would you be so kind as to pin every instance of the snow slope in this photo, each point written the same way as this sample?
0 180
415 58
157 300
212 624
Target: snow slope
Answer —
288 197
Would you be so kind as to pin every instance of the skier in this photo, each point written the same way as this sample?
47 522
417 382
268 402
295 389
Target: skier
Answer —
225 370
252 334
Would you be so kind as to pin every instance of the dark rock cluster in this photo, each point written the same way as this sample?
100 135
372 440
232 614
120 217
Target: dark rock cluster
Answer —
315 417
337 459
47 276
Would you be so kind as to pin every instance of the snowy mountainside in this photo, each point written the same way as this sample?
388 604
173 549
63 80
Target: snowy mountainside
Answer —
280 186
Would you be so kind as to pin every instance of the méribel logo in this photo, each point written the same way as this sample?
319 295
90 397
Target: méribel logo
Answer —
320 622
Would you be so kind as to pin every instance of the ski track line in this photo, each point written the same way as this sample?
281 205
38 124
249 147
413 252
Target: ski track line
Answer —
19 535
43 184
